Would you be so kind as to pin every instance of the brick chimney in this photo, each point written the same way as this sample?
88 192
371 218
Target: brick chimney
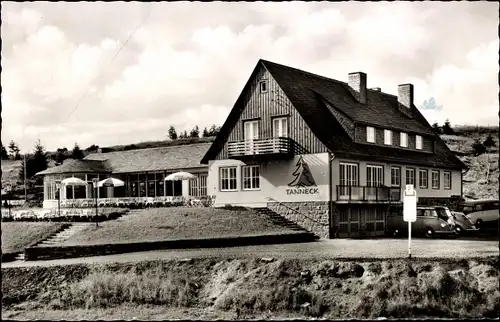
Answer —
405 98
357 81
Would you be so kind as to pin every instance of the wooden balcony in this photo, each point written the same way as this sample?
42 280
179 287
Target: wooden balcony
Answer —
363 194
260 148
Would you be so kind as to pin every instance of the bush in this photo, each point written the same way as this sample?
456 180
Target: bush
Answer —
489 142
478 148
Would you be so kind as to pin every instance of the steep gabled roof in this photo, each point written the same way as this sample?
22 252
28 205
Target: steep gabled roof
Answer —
308 93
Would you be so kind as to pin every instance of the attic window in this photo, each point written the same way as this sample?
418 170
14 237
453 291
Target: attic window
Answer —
263 86
370 134
418 142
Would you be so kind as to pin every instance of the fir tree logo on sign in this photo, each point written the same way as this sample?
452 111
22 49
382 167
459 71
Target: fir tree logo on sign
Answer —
302 175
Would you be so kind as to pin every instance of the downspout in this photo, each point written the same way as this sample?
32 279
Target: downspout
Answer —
330 193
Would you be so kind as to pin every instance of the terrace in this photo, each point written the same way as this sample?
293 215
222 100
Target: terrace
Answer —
364 194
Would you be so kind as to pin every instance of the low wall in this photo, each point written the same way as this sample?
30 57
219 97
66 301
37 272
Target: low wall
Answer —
54 252
312 215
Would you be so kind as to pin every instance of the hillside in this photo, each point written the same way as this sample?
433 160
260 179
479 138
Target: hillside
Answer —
481 181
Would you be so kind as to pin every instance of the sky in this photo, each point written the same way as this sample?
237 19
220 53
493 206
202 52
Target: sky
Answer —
123 72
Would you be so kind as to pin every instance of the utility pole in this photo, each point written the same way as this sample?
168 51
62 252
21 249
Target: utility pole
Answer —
25 189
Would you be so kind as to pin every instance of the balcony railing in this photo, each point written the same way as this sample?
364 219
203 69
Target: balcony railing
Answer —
279 145
368 194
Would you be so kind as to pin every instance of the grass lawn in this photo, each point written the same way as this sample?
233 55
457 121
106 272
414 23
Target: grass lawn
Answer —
177 223
18 235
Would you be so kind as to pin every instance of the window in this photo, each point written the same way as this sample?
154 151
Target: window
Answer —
403 140
395 176
418 142
370 134
198 186
263 86
410 176
348 174
423 178
435 179
280 127
374 176
193 187
387 137
447 180
251 177
228 179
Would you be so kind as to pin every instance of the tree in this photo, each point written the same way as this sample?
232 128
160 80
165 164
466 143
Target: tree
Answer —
195 133
92 148
205 133
447 128
14 150
303 175
77 153
489 142
214 130
436 128
4 155
34 163
478 147
61 155
183 135
172 134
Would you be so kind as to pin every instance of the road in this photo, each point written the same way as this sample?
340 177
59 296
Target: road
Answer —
325 248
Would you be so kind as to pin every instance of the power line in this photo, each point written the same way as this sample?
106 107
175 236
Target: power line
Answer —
114 57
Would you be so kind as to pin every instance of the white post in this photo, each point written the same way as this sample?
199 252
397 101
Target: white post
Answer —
409 239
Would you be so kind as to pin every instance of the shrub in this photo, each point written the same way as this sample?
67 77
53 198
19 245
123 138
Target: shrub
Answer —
478 148
489 142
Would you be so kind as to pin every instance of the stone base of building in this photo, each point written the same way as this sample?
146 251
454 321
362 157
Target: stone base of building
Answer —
312 215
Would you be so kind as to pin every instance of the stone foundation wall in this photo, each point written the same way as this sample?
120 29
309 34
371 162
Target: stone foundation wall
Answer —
312 215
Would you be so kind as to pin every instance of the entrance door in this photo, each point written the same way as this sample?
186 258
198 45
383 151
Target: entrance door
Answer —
348 223
251 133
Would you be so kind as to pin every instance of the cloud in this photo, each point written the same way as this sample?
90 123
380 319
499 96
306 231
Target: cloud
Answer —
187 64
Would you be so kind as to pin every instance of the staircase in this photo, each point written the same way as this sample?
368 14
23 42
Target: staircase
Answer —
280 220
58 238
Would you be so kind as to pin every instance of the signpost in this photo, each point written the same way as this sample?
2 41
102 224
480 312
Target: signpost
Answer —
95 183
409 210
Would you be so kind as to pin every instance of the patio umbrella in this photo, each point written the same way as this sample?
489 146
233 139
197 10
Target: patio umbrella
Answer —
111 182
73 182
180 176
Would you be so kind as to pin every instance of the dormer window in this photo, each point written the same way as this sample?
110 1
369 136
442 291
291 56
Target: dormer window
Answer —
418 142
387 137
403 140
263 86
370 134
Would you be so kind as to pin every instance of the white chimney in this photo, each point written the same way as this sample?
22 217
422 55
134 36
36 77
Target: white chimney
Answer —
377 89
357 81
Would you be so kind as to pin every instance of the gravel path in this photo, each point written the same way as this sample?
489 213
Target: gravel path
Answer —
326 248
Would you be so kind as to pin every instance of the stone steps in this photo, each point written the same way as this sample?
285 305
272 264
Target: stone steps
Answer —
280 220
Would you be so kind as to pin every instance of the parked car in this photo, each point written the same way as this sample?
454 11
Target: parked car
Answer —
462 223
483 213
431 221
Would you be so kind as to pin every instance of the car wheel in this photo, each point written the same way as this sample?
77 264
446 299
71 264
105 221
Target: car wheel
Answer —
429 232
458 230
479 223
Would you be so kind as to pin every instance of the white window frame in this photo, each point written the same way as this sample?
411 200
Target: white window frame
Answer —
433 172
403 139
418 142
280 127
387 137
265 83
407 176
226 174
193 188
370 134
421 183
374 176
445 185
250 174
349 175
398 176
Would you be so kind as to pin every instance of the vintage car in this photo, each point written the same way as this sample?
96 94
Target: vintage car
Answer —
462 223
483 213
431 221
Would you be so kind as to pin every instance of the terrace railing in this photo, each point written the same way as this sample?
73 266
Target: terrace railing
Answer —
368 194
278 145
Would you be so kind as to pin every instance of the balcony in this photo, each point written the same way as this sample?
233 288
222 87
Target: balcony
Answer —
260 148
362 194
